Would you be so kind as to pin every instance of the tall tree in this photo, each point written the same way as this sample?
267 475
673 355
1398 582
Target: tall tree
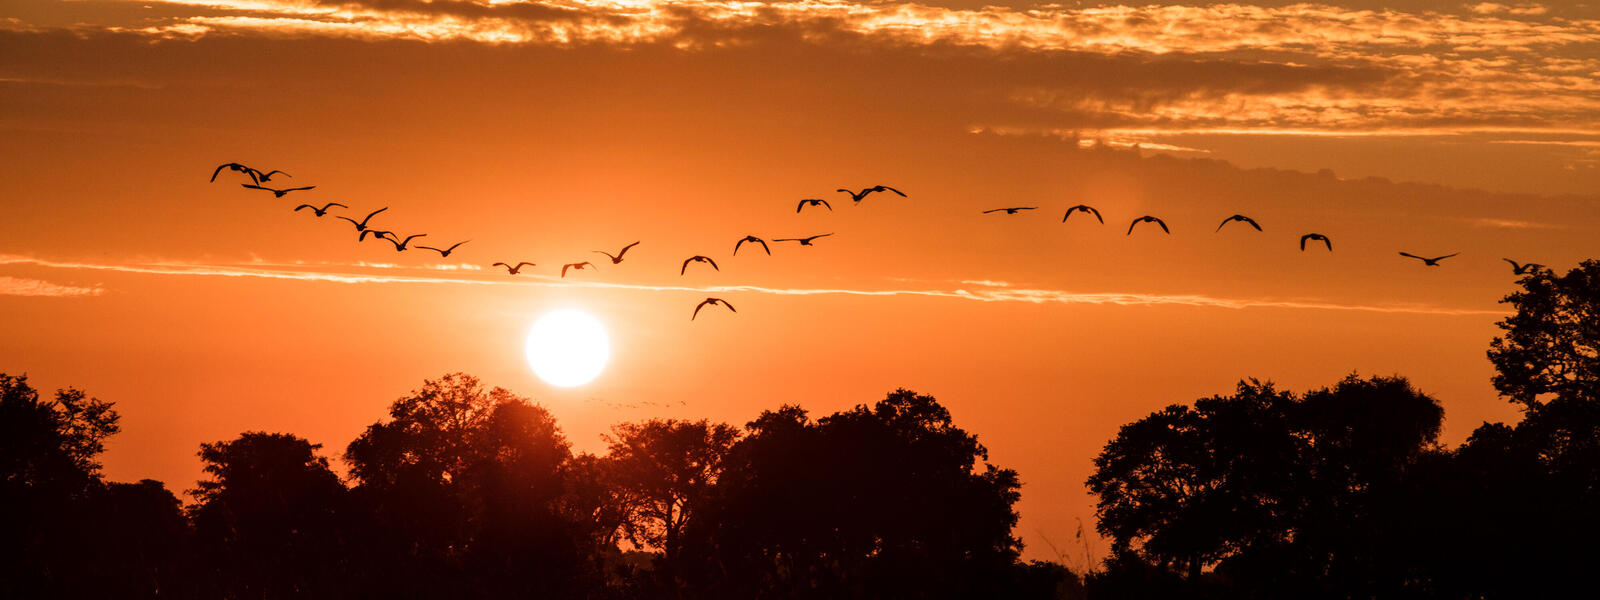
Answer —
663 470
1551 346
270 521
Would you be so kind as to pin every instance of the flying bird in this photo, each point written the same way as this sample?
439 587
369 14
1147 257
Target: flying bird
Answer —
754 240
320 211
1083 208
704 259
813 202
1517 269
445 253
1431 262
1148 219
1316 237
1240 218
513 270
1011 211
362 224
237 167
578 266
615 260
713 302
858 196
377 234
278 193
400 245
806 241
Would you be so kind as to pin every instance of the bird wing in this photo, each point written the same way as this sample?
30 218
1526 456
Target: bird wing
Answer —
453 248
374 213
564 269
819 236
1163 225
411 237
713 262
1224 222
309 187
501 264
697 308
608 254
1327 242
1514 265
1130 226
257 187
625 249
799 206
737 244
218 171
786 239
993 210
685 267
1252 223
1303 239
730 306
902 194
297 208
764 246
441 252
1447 256
519 265
1409 255
332 204
269 174
1096 214
352 221
825 203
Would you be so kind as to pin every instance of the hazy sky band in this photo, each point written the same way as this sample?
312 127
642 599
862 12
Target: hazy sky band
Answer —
984 291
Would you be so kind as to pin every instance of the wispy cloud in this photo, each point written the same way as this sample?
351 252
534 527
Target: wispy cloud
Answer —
14 286
987 292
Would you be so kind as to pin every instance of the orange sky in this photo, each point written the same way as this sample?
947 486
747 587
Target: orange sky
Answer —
543 131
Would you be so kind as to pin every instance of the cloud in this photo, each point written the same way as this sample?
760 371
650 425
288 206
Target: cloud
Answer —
14 286
989 292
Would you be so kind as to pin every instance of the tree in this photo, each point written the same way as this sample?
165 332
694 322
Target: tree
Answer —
1551 346
890 500
271 518
1293 497
49 462
663 470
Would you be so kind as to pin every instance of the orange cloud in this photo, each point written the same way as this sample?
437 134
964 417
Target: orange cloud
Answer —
14 286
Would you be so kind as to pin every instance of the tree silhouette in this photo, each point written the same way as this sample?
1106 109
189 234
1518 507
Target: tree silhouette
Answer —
1551 346
271 519
663 470
886 501
1292 496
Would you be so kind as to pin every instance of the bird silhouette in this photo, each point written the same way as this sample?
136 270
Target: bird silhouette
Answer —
1240 218
618 258
265 177
1148 219
858 196
713 302
278 193
813 202
377 234
754 240
578 266
1083 208
1315 237
362 224
445 253
806 241
233 166
320 211
513 270
1011 211
1431 262
1517 269
400 245
697 258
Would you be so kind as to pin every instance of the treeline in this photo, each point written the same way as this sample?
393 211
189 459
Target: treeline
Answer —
467 492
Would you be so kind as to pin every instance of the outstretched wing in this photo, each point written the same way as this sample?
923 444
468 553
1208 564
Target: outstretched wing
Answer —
257 187
309 187
730 306
801 205
1327 242
333 204
764 246
1130 226
1163 225
699 306
625 250
1303 239
219 170
1514 266
736 246
993 210
713 263
1096 214
1252 223
564 269
269 174
1447 256
1410 255
902 195
685 267
1224 222
297 208
519 265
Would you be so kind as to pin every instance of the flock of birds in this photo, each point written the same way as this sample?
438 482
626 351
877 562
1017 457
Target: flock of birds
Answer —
364 228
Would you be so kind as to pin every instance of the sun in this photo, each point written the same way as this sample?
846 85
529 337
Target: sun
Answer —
568 348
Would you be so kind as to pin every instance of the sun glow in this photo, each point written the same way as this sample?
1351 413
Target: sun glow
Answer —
568 348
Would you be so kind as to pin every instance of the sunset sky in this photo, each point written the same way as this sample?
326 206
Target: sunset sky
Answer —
542 131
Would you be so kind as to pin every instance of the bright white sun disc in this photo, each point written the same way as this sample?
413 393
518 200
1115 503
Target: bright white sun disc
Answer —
568 348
